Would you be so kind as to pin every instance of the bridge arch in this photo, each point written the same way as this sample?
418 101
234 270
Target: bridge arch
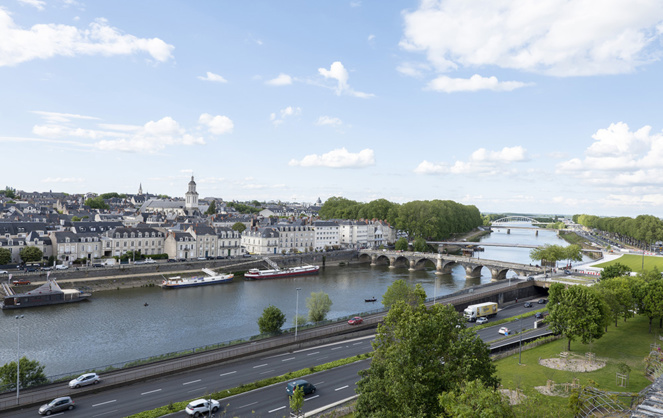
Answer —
422 263
515 219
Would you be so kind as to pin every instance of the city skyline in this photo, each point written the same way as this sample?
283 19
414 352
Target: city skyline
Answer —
543 108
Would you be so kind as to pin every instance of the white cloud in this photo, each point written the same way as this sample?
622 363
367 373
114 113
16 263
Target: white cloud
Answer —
554 37
338 72
217 125
413 69
280 80
57 117
212 77
37 4
328 121
285 113
338 158
62 180
475 83
481 161
44 41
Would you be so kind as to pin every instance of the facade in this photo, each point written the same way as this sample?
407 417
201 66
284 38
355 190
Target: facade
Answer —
205 240
69 246
354 234
191 196
263 241
147 240
180 245
229 242
327 235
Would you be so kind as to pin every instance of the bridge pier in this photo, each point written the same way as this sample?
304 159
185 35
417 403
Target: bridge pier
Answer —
392 262
413 262
373 259
508 231
472 272
536 234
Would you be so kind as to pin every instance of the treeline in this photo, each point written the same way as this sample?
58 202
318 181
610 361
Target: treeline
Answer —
429 219
642 230
243 208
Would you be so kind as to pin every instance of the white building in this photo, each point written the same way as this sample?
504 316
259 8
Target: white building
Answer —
354 234
327 235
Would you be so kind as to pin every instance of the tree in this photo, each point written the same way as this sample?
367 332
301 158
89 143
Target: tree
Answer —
576 311
399 291
548 254
401 244
239 227
615 270
96 203
299 320
420 353
5 256
271 321
297 401
211 210
31 254
9 192
474 399
75 219
420 245
318 305
652 304
32 373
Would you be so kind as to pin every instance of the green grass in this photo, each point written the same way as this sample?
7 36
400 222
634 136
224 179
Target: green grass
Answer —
572 238
628 343
634 262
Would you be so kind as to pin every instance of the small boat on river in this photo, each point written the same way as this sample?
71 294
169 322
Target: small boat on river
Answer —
373 299
49 293
211 278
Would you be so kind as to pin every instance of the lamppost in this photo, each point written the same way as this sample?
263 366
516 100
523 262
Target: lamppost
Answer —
18 355
297 312
520 348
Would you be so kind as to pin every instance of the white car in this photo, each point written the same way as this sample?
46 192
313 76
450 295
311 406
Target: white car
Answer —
61 267
4 272
199 407
84 380
481 320
504 331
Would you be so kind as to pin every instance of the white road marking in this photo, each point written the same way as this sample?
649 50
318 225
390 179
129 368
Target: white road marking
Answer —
288 359
360 342
342 387
330 344
248 404
259 365
152 391
226 374
277 409
193 381
276 355
336 348
310 354
320 358
310 397
196 390
104 403
268 371
103 413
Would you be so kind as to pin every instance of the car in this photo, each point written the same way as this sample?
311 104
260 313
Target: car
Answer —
567 272
481 320
356 320
527 305
220 257
542 301
84 380
530 279
202 259
172 260
49 268
30 269
538 315
504 331
201 407
61 267
149 261
305 385
4 272
20 282
97 265
57 405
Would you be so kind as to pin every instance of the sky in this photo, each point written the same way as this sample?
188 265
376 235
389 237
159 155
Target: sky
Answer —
550 107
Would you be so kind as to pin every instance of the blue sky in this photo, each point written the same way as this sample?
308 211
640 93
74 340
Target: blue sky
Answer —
540 107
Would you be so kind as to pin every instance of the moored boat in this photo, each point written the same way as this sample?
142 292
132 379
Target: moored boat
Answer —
256 274
211 278
49 293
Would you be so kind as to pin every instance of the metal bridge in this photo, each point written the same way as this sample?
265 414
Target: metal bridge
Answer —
516 219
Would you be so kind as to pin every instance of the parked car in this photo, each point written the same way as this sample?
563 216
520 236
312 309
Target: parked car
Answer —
4 272
97 265
481 320
84 380
356 320
20 282
172 260
202 258
149 261
201 407
305 385
57 405
61 267
30 269
542 301
504 331
527 305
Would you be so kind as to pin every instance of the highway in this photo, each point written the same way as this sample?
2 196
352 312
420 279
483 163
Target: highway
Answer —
333 385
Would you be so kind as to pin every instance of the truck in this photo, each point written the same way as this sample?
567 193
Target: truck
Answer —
487 309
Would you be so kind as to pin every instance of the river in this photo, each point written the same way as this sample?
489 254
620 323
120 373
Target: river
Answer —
124 325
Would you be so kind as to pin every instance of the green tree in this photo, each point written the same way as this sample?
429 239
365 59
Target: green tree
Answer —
576 312
110 195
420 245
318 305
9 192
400 291
5 256
271 321
297 401
96 203
474 399
615 270
420 353
299 320
239 227
31 254
75 219
211 210
402 244
32 373
652 303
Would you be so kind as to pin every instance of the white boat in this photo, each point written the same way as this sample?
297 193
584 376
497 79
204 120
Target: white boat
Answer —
256 274
211 278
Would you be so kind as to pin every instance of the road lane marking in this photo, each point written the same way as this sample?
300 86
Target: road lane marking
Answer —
248 404
193 381
196 390
360 342
288 359
336 348
331 344
104 403
310 397
277 409
268 371
310 354
320 358
259 365
342 387
152 391
226 374
102 414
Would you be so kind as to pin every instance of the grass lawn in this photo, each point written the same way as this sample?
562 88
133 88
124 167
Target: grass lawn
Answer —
628 343
634 262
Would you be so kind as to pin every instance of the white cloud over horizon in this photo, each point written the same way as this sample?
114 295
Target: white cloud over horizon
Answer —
37 4
284 113
475 83
217 125
328 121
338 158
481 162
280 80
338 72
212 77
44 41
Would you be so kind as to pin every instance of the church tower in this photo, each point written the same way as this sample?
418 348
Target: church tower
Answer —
140 189
192 196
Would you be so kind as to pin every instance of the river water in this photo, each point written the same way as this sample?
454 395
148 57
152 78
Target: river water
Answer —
116 326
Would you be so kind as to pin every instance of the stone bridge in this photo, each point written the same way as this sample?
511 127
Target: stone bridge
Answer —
444 263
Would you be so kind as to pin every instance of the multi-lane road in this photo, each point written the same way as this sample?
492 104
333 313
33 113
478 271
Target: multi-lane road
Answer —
332 385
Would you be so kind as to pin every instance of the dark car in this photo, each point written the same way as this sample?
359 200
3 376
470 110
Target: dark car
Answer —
220 257
542 301
305 385
527 305
172 260
30 269
538 315
97 265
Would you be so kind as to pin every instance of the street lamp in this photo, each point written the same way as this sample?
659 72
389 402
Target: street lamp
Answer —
297 312
18 355
520 348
